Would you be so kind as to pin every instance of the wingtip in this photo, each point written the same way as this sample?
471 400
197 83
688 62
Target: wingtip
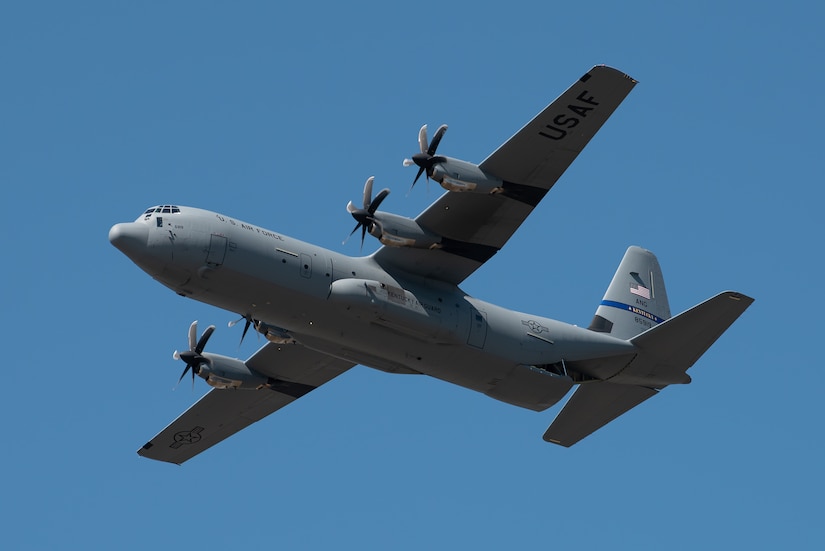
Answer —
742 297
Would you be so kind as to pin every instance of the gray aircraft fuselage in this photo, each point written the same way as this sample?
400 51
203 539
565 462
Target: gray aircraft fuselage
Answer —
352 308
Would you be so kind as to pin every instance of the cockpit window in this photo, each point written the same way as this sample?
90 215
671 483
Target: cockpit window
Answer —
162 209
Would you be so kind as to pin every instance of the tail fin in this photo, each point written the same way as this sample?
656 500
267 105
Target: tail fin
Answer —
636 299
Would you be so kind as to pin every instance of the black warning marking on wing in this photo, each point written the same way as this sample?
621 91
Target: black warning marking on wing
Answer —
473 251
530 195
296 390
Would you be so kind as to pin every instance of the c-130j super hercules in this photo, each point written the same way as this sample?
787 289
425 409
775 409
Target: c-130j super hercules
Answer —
401 309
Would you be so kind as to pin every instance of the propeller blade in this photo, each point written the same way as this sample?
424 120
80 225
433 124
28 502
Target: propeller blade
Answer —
378 200
182 375
417 176
344 242
193 335
204 338
249 321
176 355
408 162
422 139
437 139
368 192
246 328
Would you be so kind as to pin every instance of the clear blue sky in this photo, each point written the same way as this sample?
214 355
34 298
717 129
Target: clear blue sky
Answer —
277 115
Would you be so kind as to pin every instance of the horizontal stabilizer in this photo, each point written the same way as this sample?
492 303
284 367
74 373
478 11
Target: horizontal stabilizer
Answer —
676 344
591 407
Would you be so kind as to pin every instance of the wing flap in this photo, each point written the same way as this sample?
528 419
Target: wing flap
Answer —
591 407
221 413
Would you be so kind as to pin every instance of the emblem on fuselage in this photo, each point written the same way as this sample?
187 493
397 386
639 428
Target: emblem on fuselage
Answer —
535 326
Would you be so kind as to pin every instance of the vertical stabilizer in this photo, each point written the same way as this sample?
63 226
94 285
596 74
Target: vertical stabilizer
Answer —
636 299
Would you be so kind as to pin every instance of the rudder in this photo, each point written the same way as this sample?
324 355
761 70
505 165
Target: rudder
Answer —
636 299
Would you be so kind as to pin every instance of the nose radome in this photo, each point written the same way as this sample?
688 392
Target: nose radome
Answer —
129 237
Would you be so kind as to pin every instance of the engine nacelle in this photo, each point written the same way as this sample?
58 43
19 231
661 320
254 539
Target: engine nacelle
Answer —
274 334
416 314
461 176
399 231
224 372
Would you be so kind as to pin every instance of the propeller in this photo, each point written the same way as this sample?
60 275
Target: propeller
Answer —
427 159
366 216
249 321
193 357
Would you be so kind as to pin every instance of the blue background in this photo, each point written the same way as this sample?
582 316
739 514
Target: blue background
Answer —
276 115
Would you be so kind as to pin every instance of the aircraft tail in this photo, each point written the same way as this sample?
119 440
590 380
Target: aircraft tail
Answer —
664 354
635 300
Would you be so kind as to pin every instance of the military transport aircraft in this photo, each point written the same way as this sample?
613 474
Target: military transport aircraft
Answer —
401 309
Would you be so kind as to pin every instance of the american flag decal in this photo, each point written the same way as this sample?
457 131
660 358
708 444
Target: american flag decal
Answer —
640 290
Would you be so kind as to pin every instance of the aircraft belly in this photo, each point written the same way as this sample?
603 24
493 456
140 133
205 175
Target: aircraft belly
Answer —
381 323
531 387
397 343
501 378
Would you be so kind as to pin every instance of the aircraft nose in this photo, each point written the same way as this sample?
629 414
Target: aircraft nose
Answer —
130 237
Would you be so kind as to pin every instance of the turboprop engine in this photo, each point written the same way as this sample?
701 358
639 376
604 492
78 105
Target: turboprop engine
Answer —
457 175
218 371
390 229
451 174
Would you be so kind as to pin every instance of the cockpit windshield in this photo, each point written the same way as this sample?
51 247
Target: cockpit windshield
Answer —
162 209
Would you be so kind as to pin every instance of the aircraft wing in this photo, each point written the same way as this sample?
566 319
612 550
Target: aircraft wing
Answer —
474 226
222 413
